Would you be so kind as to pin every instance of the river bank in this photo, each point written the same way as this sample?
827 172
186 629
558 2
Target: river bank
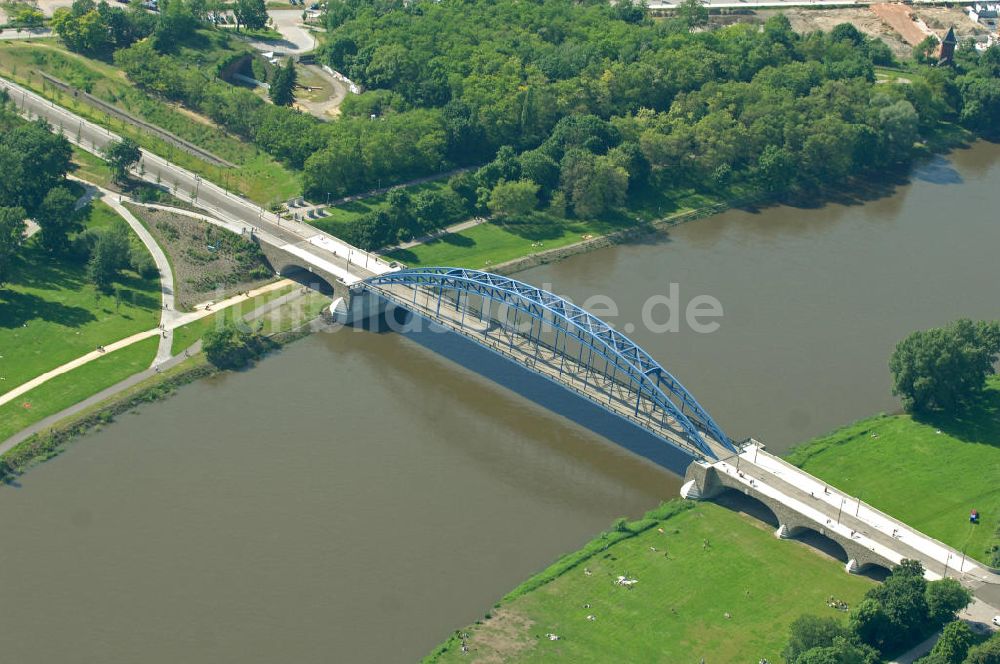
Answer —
479 246
294 474
709 583
930 472
50 436
574 609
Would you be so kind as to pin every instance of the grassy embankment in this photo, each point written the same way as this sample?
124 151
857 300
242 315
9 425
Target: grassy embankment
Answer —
257 176
929 473
496 242
186 335
74 386
677 610
51 314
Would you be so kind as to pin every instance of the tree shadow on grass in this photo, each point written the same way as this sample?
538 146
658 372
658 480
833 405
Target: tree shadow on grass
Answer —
17 308
535 228
403 256
41 272
979 423
357 207
457 240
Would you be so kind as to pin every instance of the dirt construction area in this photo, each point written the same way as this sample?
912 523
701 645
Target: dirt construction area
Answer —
809 20
939 19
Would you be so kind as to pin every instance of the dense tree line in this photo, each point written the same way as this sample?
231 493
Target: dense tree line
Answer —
586 104
892 617
34 163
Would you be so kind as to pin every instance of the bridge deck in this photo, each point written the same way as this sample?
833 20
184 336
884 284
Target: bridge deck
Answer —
546 360
847 517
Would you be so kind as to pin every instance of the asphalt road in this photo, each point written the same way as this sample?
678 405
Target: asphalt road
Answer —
186 185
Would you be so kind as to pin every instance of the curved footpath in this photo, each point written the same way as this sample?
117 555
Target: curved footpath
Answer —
168 314
177 321
135 379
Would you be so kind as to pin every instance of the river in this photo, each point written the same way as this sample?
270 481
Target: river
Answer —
356 497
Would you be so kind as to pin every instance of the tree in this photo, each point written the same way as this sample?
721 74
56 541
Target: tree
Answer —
32 160
870 623
944 368
122 155
841 651
176 21
692 13
807 632
945 598
981 103
26 16
985 653
112 251
250 13
58 217
895 613
234 345
926 51
953 646
282 91
593 184
513 199
12 228
898 123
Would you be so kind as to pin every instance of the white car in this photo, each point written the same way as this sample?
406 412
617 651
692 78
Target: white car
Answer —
996 620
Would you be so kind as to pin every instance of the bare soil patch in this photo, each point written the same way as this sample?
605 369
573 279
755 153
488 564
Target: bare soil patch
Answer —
209 263
939 19
805 21
500 638
901 19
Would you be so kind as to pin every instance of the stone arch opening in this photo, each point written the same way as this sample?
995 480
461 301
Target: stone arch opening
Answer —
743 503
820 542
873 571
307 278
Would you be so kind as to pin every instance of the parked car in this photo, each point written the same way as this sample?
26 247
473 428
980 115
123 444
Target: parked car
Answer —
996 620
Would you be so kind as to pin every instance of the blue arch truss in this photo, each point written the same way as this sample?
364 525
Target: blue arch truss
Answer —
630 364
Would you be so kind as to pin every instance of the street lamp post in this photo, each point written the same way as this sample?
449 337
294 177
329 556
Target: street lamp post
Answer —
858 511
842 501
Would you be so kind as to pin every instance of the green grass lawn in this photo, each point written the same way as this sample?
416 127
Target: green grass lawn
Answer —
929 473
496 242
258 176
74 386
90 167
50 313
186 335
676 611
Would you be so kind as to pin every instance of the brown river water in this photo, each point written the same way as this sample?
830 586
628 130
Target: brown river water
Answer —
356 497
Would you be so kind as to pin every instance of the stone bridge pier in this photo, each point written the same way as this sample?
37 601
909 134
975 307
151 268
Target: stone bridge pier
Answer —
704 481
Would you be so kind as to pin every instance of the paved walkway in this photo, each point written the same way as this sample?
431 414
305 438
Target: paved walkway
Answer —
424 239
159 258
289 236
175 322
135 379
12 33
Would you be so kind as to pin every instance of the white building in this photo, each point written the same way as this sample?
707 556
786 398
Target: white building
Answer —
985 13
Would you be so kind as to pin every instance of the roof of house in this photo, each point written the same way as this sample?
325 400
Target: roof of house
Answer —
950 38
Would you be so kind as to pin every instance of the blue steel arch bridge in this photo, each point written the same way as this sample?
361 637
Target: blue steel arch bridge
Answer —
553 337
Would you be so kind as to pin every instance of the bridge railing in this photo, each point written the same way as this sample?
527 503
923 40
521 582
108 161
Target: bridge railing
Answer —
495 345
